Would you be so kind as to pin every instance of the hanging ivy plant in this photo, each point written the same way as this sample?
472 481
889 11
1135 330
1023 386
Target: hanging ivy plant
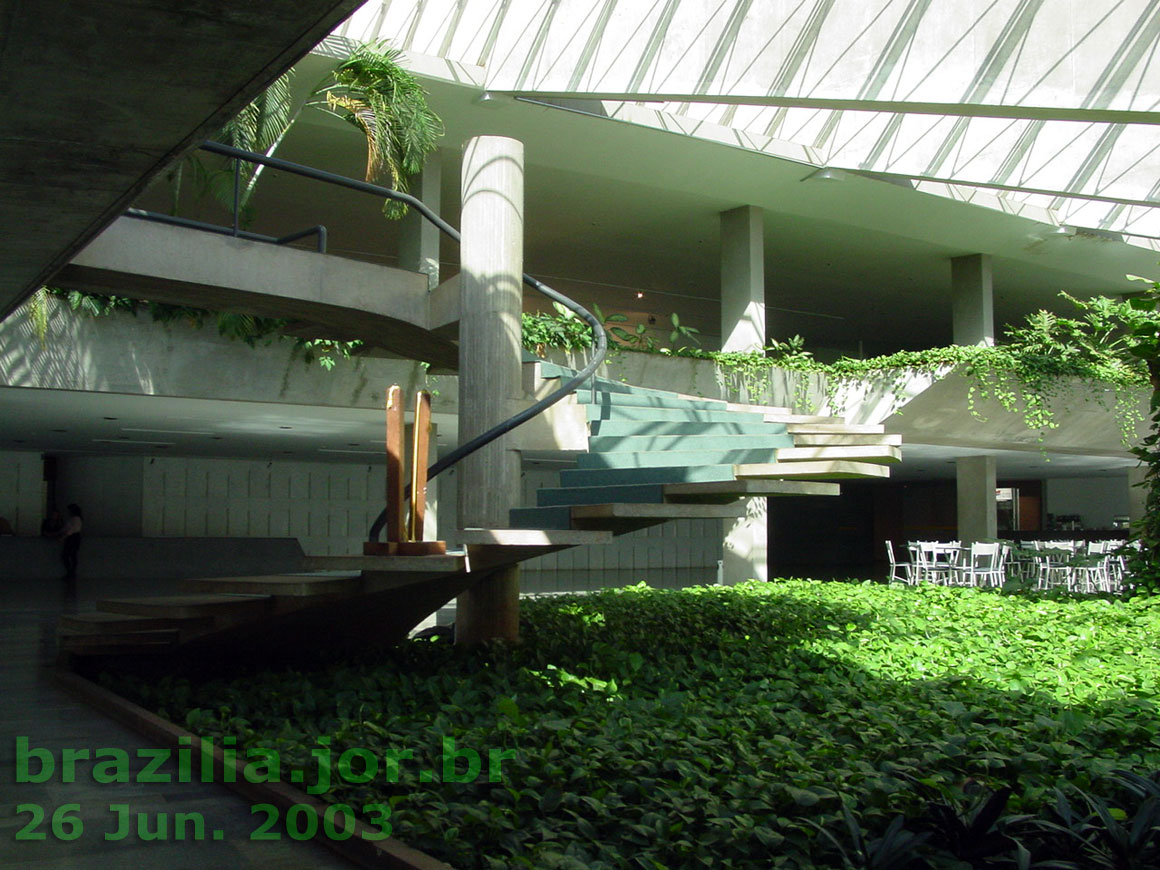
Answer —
246 328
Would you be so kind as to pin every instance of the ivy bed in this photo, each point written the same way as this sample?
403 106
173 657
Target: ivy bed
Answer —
785 724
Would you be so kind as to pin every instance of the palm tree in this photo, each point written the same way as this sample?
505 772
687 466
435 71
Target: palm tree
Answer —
260 126
386 103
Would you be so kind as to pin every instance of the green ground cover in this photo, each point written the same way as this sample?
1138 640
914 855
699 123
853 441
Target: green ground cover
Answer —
785 724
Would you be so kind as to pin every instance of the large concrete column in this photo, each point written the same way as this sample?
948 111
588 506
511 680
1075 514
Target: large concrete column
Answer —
972 300
743 279
418 237
978 519
491 301
743 329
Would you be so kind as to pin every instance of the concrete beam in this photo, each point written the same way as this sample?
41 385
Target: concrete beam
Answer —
341 298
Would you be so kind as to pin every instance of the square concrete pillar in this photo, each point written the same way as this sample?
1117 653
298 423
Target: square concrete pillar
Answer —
978 518
746 552
418 237
746 547
973 306
743 279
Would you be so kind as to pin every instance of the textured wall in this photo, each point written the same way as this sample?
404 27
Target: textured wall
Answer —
21 491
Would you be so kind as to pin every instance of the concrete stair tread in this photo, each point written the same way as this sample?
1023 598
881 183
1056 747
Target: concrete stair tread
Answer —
622 518
167 636
96 645
838 439
530 538
803 419
185 605
759 409
834 428
296 585
100 622
881 453
817 469
446 564
730 490
665 510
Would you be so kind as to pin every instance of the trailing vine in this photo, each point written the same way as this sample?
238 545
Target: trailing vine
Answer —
1026 375
246 328
1144 345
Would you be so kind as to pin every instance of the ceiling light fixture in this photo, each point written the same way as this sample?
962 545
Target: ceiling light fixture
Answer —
827 173
488 100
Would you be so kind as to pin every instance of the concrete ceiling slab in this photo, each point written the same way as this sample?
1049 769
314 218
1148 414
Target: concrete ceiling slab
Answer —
101 95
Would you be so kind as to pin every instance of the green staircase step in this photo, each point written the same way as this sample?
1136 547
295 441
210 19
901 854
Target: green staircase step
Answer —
621 518
675 415
603 397
826 469
665 474
687 443
541 517
676 457
730 490
649 493
879 453
628 428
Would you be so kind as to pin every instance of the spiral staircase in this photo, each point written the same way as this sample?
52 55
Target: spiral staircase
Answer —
652 456
648 456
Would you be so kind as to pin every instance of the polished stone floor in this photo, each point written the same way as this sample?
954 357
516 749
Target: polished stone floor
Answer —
32 707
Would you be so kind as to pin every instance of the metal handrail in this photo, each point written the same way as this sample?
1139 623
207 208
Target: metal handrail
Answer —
162 218
600 339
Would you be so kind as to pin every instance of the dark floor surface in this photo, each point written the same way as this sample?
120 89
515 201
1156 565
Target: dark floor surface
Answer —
32 707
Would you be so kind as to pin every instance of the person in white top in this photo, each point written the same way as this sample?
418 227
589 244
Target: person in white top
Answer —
71 535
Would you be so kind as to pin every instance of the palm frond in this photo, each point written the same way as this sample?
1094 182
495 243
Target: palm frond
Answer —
38 314
388 105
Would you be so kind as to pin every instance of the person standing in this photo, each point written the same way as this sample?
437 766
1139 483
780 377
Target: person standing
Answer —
71 535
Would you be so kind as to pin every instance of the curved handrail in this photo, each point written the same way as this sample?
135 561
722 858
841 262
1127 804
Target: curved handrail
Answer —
599 337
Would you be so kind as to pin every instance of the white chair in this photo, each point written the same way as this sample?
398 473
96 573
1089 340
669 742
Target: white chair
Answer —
933 560
897 568
982 567
1053 563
